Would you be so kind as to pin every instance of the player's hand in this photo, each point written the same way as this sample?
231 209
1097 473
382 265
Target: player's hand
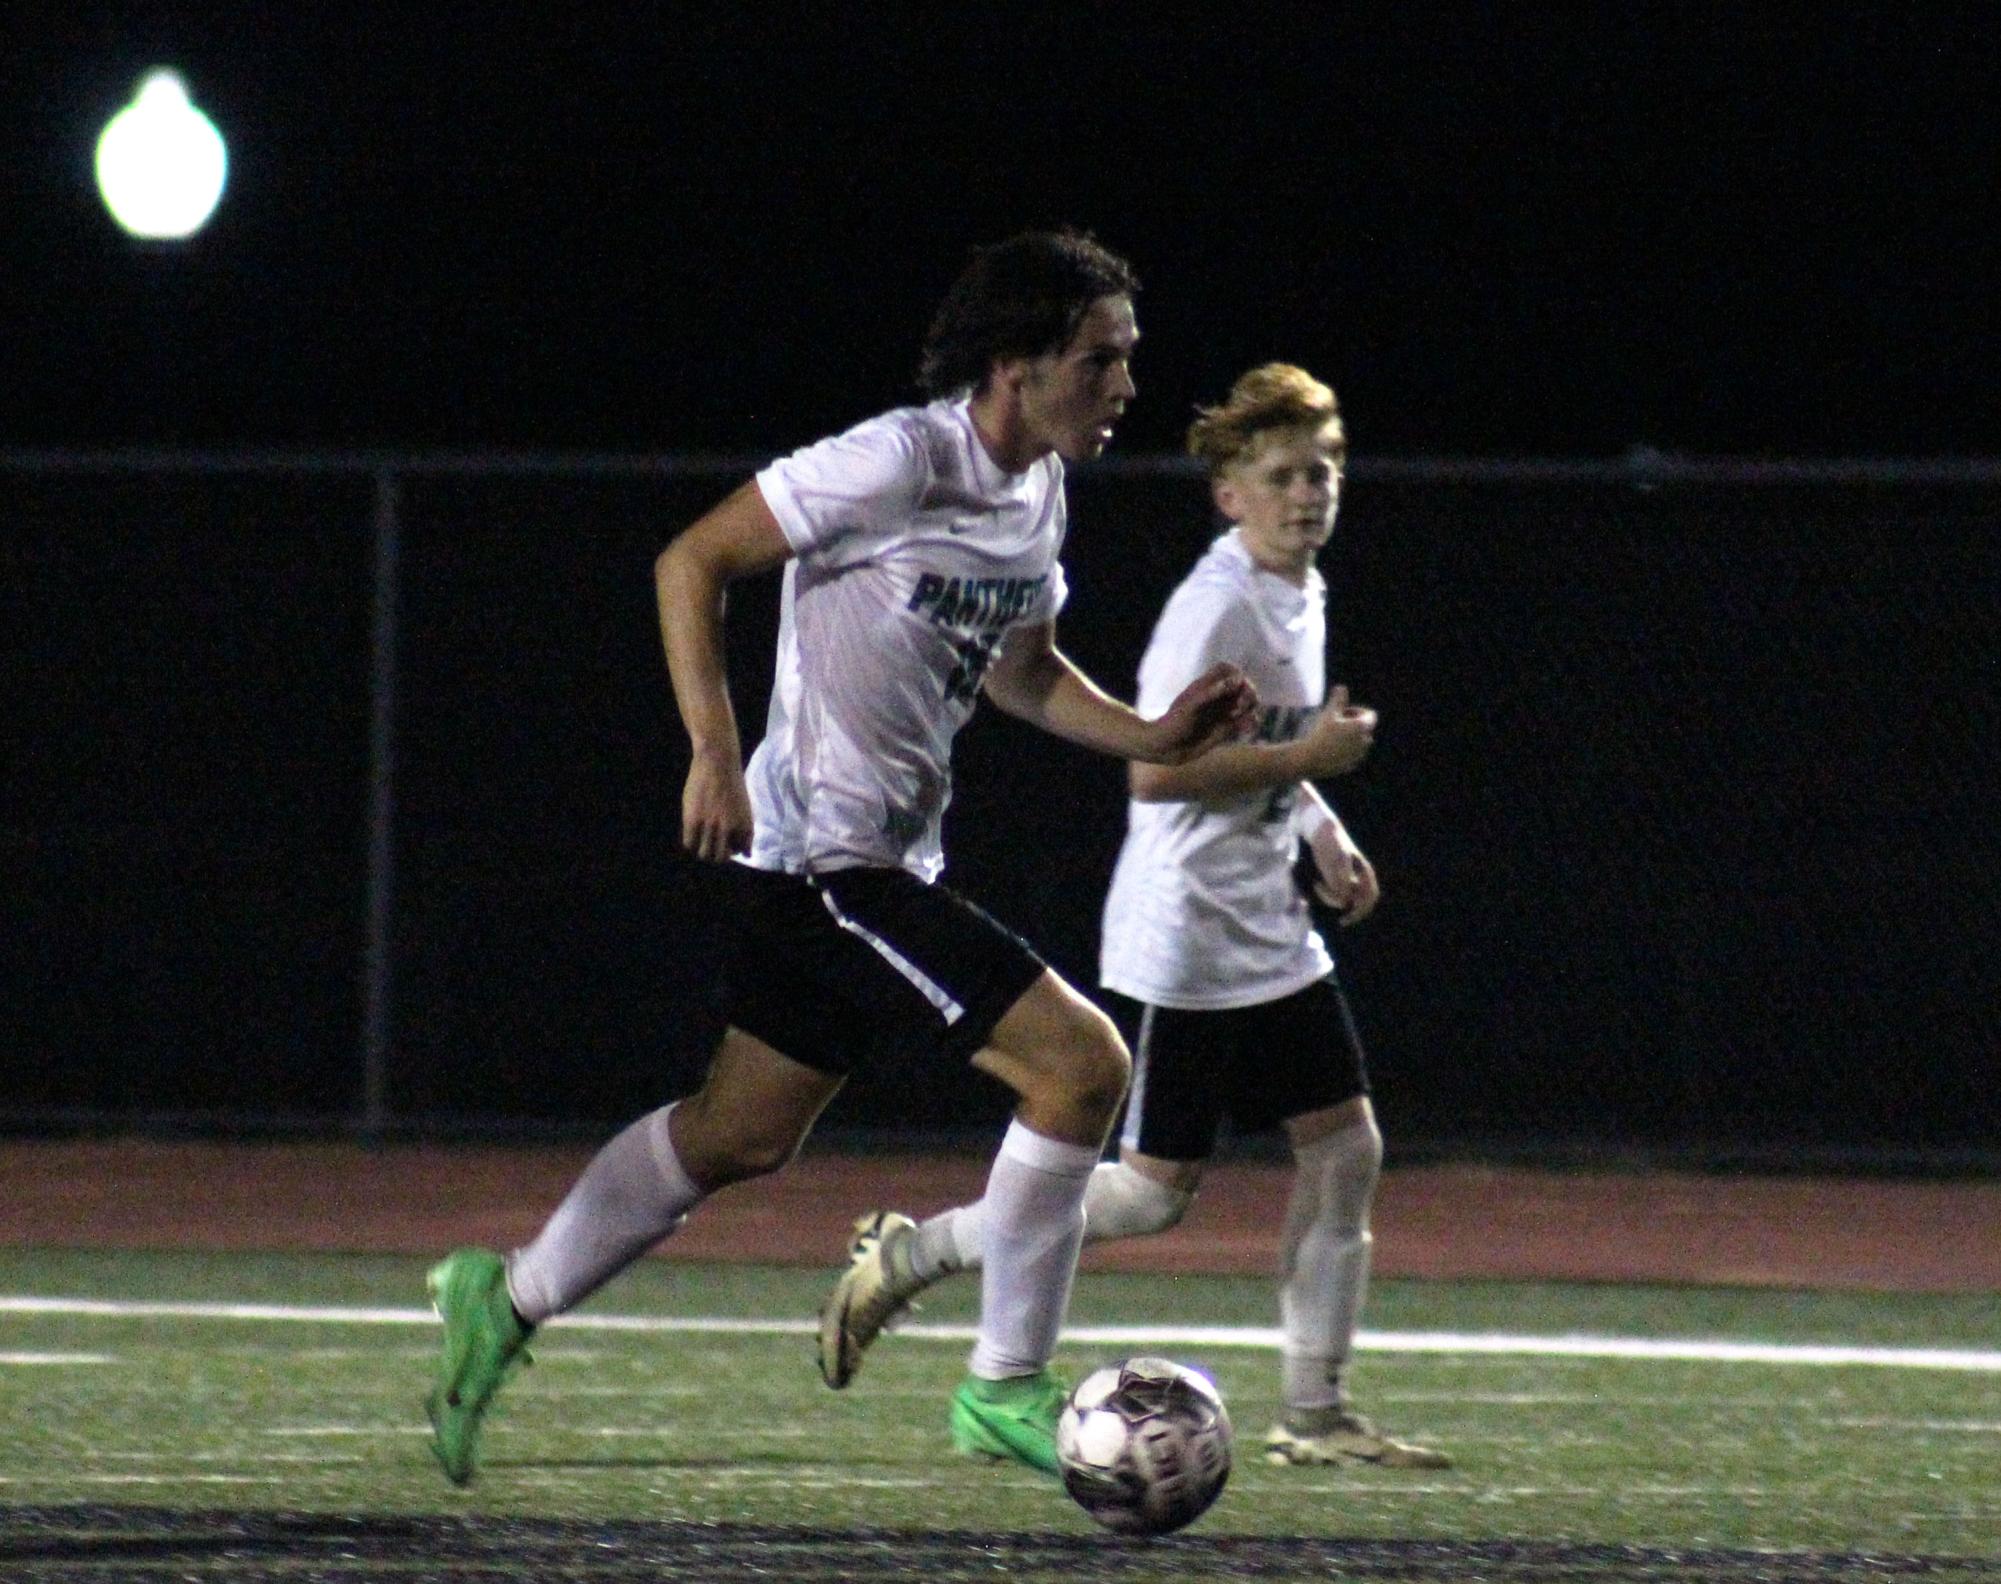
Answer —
1347 880
1338 740
1215 708
715 807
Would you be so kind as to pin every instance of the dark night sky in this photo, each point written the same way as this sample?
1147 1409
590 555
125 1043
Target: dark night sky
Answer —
1516 228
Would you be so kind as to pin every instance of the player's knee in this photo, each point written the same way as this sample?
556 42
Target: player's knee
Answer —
1094 1065
1358 1151
759 1154
1346 1165
719 1150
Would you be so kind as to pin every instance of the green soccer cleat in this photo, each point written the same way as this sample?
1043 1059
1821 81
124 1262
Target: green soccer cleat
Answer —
1013 1418
484 1341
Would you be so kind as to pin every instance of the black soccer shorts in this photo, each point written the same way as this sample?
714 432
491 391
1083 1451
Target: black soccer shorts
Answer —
853 967
1256 1065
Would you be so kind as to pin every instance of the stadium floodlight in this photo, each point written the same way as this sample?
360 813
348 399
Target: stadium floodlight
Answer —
161 163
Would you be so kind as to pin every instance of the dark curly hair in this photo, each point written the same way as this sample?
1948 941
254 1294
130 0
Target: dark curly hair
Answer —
1018 298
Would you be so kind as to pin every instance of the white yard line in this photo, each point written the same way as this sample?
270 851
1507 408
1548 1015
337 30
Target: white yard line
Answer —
1461 1343
67 1479
54 1358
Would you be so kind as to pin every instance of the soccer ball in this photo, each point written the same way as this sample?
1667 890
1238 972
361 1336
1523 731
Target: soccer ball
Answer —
1144 1445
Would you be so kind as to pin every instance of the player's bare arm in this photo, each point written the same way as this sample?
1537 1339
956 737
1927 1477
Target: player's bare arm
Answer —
1345 879
737 538
1036 681
1335 744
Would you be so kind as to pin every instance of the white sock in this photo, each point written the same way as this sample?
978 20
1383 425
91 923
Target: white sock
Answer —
952 1240
1034 1228
1324 1263
1118 1203
1123 1203
633 1194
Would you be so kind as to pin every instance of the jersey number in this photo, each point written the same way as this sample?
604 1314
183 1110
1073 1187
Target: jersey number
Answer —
975 655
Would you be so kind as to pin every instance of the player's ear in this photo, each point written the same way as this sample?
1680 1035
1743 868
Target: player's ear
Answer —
1223 490
1007 374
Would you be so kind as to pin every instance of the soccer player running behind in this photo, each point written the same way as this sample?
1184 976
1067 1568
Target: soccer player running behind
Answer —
1240 1013
920 554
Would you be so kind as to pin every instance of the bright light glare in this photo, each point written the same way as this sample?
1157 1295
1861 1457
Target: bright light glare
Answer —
161 163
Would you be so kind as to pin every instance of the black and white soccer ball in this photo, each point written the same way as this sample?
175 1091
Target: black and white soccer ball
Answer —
1144 1445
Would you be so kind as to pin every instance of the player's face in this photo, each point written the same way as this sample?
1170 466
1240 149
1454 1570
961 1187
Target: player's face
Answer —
1072 400
1282 495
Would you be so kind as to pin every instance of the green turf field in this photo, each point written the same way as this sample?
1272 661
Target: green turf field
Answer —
135 1440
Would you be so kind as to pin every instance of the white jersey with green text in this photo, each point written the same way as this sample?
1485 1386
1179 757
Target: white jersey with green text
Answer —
915 552
1203 912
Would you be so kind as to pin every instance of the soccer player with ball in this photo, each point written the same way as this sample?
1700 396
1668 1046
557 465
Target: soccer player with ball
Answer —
920 570
1239 1010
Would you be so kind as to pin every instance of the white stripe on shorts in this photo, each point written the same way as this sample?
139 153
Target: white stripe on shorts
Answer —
1136 1096
927 987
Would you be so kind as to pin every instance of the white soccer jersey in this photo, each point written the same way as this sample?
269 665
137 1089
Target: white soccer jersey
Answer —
915 552
1203 912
